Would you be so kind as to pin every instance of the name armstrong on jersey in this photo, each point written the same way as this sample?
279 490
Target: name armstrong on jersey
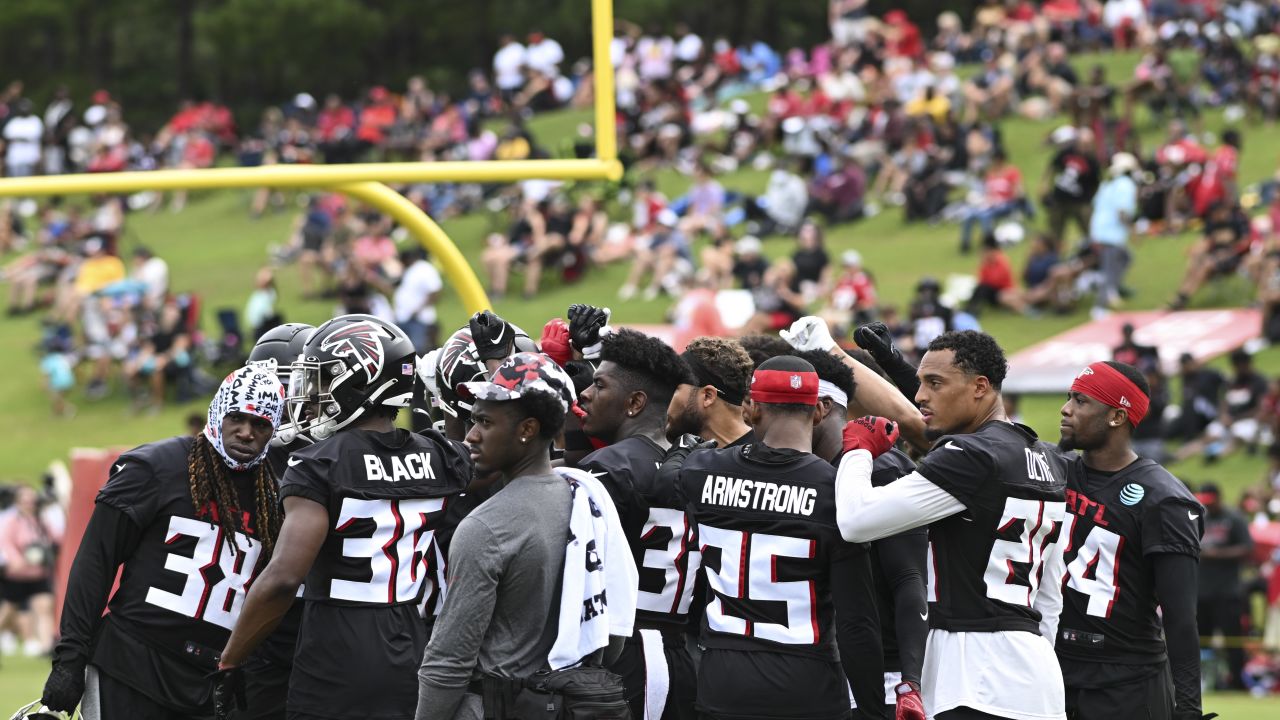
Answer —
758 495
414 466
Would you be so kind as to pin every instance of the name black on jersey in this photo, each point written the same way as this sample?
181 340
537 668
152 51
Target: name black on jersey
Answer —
986 564
362 633
1114 522
182 590
655 525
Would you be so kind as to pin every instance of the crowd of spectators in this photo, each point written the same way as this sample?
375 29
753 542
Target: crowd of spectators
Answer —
31 529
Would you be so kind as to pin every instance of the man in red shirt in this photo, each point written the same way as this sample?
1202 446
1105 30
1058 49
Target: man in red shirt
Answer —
1002 194
995 280
1217 180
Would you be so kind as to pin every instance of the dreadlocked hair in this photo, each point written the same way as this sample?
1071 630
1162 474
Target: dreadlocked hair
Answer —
211 485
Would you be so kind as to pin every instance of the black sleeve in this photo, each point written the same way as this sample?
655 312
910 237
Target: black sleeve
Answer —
959 466
858 628
617 481
902 561
903 375
1240 531
110 538
132 488
306 477
1176 578
1173 525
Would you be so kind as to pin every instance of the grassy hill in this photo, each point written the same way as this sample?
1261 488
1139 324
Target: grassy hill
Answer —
213 248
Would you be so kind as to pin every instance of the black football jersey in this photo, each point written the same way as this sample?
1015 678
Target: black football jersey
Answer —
362 635
184 586
907 549
986 564
655 524
1114 522
385 493
766 528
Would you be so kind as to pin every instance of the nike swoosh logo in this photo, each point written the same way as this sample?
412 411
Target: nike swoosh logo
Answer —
951 445
966 518
498 340
924 616
1192 515
120 467
293 461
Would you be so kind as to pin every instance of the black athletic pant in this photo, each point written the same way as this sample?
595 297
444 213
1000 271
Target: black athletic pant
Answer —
266 690
682 677
113 700
1224 613
1145 698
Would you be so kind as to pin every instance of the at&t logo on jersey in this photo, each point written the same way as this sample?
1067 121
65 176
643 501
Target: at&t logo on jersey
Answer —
1038 467
415 466
1132 494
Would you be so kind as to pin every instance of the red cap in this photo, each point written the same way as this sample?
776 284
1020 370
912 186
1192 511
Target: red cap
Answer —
101 97
799 387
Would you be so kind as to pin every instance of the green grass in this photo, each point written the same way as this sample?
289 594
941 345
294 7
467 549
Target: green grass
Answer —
21 680
214 248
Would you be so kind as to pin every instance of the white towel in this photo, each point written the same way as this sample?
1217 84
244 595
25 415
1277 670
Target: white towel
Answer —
598 593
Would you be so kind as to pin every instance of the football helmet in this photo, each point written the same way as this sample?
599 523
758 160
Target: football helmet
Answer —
348 366
276 350
458 363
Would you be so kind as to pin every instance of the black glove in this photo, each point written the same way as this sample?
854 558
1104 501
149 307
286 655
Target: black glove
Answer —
228 692
493 336
65 686
585 325
876 339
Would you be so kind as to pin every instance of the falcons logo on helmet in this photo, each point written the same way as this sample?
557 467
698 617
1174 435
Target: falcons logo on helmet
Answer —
360 342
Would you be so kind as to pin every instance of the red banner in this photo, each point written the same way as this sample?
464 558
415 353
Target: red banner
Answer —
1051 365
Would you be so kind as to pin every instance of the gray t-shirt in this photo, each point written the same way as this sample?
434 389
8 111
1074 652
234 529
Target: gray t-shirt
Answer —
500 615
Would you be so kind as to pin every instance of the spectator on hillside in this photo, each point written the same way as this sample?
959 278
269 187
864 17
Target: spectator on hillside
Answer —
1201 394
706 203
1218 253
23 137
153 273
1237 421
1224 548
848 20
1216 182
162 359
1114 209
812 277
1042 275
415 299
1144 357
260 313
543 54
57 365
928 316
30 551
781 209
1002 195
989 94
749 264
853 296
508 67
658 258
1068 186
995 280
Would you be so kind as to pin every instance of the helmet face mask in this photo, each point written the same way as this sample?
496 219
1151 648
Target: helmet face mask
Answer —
350 365
276 352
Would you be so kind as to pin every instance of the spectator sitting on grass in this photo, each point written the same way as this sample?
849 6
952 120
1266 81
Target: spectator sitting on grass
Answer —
1237 418
1002 195
995 280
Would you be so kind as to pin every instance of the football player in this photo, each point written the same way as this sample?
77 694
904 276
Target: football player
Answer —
361 506
626 408
897 561
993 496
781 582
267 672
189 518
499 622
710 407
1132 546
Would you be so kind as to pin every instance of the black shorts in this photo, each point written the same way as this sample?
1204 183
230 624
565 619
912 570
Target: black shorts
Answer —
20 592
266 690
681 676
1141 692
762 685
106 698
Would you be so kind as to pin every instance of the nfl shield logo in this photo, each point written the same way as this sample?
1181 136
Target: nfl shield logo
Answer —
795 382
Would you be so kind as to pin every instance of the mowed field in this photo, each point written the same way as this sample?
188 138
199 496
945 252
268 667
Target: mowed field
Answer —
213 248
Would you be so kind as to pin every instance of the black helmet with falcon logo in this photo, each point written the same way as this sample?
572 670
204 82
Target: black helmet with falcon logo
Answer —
348 366
458 363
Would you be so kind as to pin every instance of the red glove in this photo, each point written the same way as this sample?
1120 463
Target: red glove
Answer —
555 341
910 706
873 434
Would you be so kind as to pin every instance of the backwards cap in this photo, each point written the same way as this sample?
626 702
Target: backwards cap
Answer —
524 373
785 380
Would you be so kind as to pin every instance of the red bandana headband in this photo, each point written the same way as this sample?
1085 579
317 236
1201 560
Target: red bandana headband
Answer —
785 387
1110 387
